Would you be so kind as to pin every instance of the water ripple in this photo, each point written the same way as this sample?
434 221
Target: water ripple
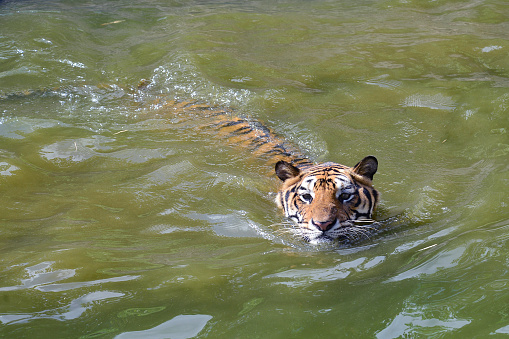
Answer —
42 277
435 101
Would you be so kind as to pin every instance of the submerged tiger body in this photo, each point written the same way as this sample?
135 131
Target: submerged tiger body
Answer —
324 201
224 124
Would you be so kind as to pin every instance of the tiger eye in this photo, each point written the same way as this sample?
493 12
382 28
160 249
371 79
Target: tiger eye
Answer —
307 197
344 196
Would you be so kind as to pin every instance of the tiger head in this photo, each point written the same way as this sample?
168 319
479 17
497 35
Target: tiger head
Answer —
328 201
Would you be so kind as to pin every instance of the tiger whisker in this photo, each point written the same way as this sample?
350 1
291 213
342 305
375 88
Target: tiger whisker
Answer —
365 228
353 232
364 232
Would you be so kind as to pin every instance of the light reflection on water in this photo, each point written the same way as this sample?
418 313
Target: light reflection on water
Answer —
121 219
182 326
73 310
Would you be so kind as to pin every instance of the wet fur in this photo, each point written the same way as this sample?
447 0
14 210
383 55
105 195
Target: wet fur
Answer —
328 201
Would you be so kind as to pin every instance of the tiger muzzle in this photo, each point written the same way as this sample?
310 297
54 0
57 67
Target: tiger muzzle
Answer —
324 225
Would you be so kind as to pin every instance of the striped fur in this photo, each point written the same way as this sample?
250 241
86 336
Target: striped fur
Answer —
325 201
244 133
328 201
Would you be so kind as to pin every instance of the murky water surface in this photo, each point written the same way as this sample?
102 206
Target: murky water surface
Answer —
120 220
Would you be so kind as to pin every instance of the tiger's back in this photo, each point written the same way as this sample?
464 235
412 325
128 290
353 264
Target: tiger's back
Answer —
223 124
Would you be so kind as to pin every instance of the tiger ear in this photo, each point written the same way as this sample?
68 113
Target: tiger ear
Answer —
366 167
285 170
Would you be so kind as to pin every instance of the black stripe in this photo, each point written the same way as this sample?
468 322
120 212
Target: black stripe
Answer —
235 122
242 130
295 204
368 196
366 215
359 200
260 127
273 152
287 196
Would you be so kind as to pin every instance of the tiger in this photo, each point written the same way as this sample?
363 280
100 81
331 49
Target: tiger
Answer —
324 201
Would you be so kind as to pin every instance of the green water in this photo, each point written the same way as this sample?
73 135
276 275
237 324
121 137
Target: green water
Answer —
117 220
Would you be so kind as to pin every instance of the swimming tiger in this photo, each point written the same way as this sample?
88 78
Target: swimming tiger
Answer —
325 201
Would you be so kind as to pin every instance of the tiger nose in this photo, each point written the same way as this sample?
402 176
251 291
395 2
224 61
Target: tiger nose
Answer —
324 225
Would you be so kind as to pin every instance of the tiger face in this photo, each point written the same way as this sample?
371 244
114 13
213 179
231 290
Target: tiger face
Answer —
328 201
